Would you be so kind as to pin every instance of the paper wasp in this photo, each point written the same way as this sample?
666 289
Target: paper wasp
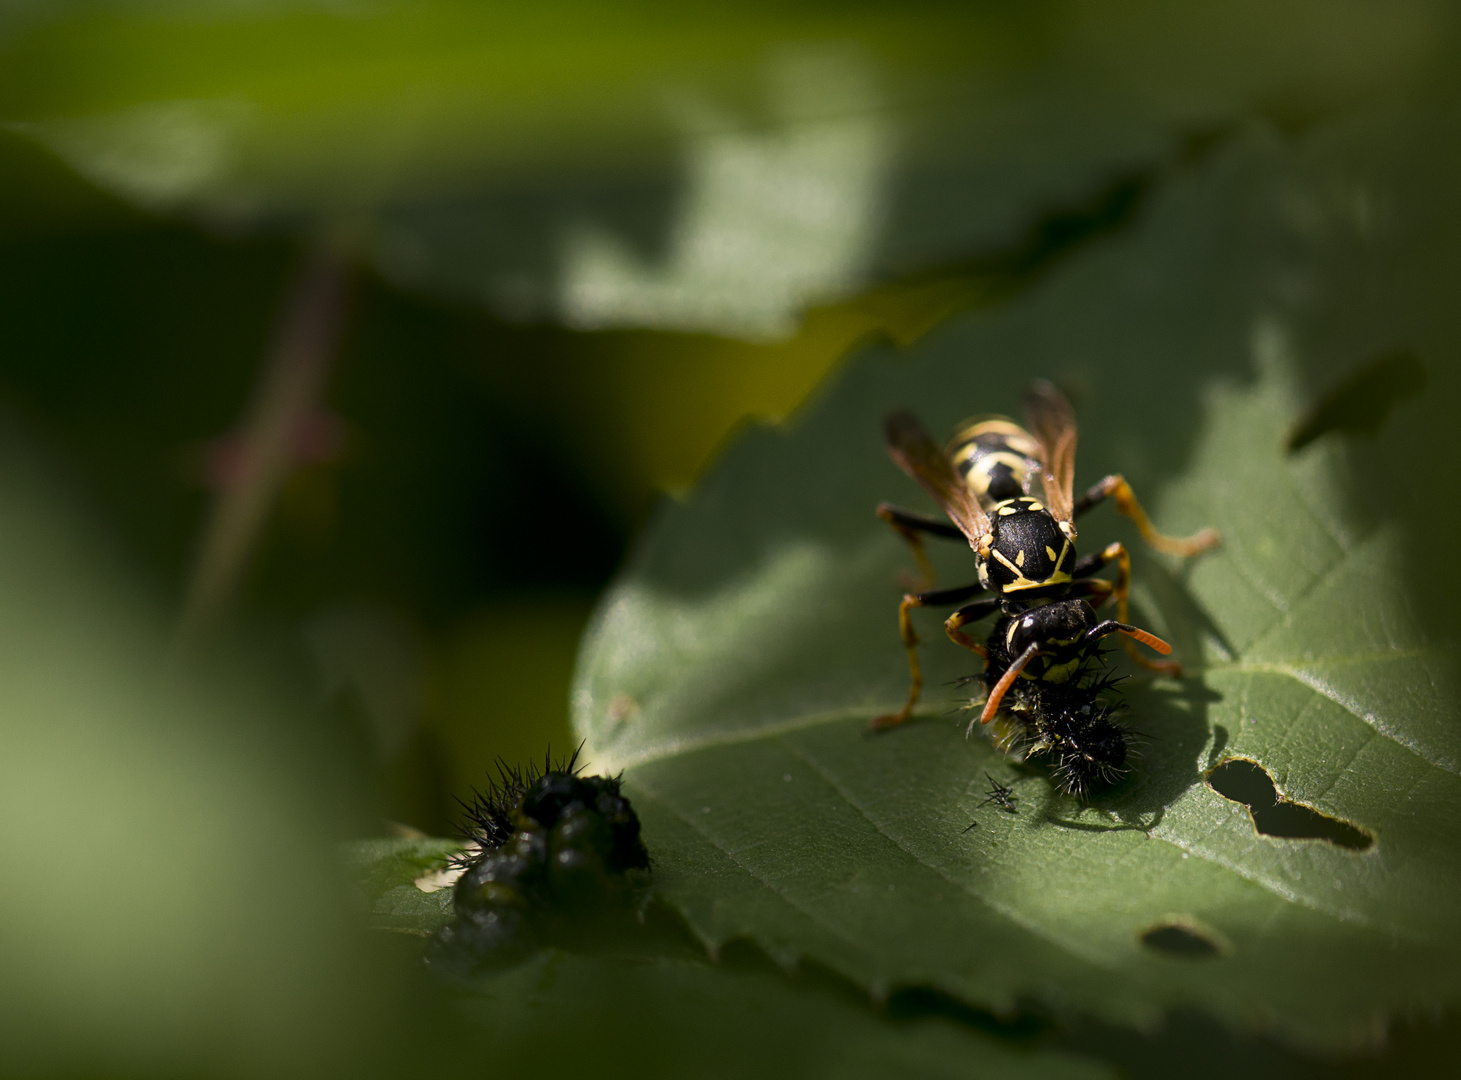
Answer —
1024 549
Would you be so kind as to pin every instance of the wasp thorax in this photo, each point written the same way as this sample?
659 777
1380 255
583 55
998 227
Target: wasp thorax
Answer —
1029 551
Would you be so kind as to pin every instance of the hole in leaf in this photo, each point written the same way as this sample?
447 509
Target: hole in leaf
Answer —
1362 401
1248 783
1180 939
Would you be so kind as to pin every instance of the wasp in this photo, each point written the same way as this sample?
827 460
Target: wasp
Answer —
1024 548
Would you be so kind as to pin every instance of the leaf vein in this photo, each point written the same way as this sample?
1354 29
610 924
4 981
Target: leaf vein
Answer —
677 746
1304 594
1354 708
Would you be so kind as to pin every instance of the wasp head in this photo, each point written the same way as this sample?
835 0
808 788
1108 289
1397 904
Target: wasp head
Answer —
1055 627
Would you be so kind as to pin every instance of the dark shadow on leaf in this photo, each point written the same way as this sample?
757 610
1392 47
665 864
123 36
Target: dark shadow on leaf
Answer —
1174 723
1414 1048
1051 238
1363 399
1417 1046
1185 620
1219 744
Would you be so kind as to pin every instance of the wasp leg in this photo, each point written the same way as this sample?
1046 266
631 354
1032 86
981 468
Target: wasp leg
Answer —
909 525
1116 486
937 598
1118 554
906 521
970 613
1097 590
1088 565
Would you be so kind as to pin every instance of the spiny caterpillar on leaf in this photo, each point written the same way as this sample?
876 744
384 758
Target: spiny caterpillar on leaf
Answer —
547 848
1073 726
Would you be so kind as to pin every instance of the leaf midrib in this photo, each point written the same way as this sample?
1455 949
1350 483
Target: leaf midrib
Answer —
681 745
774 732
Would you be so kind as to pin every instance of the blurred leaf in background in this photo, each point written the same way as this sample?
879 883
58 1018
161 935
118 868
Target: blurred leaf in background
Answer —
712 167
169 903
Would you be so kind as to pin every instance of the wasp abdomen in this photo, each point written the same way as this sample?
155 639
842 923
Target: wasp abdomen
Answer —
997 459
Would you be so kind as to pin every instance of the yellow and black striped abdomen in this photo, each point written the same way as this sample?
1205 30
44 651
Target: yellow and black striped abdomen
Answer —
997 459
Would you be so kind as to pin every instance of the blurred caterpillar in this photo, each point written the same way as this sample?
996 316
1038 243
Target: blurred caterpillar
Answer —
546 849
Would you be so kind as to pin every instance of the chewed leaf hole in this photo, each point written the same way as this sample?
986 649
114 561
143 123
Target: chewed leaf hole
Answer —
1180 939
1248 783
1362 402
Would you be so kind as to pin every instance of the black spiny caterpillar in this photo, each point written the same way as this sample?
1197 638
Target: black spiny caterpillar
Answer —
546 849
1072 726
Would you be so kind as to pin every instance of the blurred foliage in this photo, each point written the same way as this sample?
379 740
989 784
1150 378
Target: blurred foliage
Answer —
584 245
713 166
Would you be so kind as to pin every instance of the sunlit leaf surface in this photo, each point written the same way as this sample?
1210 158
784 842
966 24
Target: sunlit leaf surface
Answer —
735 665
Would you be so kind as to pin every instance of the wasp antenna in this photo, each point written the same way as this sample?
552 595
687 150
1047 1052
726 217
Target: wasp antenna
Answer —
996 695
1146 638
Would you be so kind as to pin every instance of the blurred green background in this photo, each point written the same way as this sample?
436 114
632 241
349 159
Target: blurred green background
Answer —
346 344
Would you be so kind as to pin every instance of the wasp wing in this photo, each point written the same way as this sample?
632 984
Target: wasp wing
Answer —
921 458
1052 422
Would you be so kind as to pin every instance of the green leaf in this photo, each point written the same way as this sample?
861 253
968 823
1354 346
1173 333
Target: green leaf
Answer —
674 1016
399 882
733 668
652 1002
